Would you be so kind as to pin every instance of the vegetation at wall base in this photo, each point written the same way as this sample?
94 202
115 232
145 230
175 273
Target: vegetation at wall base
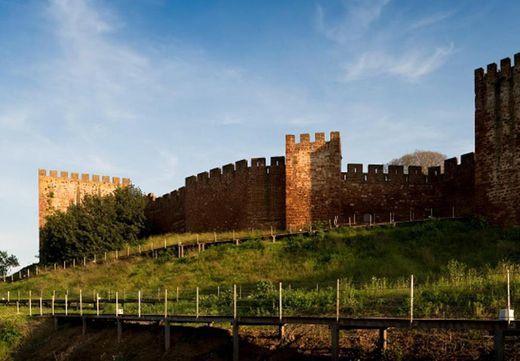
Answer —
96 225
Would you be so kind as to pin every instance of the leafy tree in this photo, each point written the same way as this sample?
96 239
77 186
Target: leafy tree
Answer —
423 158
96 225
7 262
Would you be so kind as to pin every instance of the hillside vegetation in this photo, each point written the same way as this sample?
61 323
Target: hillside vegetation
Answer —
459 268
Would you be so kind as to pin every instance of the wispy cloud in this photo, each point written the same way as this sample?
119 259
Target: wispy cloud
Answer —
359 15
430 20
393 47
411 65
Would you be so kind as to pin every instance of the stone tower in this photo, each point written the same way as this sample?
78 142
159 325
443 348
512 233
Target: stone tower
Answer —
497 142
312 176
58 192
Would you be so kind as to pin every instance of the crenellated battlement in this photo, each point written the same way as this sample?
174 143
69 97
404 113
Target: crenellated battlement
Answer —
305 139
57 191
83 177
239 168
493 71
396 173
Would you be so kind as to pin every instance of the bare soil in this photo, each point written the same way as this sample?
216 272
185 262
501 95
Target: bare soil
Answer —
139 342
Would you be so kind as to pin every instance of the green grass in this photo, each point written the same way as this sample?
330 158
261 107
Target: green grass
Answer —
459 268
12 329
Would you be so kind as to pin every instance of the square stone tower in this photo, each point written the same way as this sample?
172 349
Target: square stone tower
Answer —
58 192
497 142
312 176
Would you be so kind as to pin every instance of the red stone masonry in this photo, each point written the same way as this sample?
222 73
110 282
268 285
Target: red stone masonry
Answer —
497 142
312 172
236 197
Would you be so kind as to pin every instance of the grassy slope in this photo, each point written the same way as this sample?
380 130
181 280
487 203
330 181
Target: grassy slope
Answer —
359 254
365 259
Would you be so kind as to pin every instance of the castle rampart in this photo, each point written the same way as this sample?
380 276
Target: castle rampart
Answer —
497 141
379 195
236 196
308 186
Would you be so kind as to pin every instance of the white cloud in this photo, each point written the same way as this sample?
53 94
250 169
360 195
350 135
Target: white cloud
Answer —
430 20
411 65
393 47
358 17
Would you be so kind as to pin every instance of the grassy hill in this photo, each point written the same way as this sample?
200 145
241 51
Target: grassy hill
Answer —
459 268
460 257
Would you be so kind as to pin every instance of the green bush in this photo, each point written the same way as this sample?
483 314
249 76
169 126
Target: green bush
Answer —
96 225
9 333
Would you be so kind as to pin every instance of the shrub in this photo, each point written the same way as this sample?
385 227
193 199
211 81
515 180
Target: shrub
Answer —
96 225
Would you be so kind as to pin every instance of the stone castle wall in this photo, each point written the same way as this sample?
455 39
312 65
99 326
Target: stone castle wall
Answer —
381 196
308 185
497 141
58 192
238 196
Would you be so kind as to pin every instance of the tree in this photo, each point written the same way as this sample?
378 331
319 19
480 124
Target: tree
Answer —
96 225
7 262
423 158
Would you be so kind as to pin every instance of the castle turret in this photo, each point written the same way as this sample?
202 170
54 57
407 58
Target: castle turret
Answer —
497 141
312 175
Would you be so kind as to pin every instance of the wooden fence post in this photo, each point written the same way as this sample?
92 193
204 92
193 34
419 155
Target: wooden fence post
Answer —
119 330
234 302
30 303
334 329
41 303
337 299
167 337
66 304
411 299
81 302
383 340
197 306
139 303
117 304
508 299
165 303
97 304
281 326
52 302
498 340
235 326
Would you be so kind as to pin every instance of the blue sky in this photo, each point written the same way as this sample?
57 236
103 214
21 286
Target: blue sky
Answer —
158 90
